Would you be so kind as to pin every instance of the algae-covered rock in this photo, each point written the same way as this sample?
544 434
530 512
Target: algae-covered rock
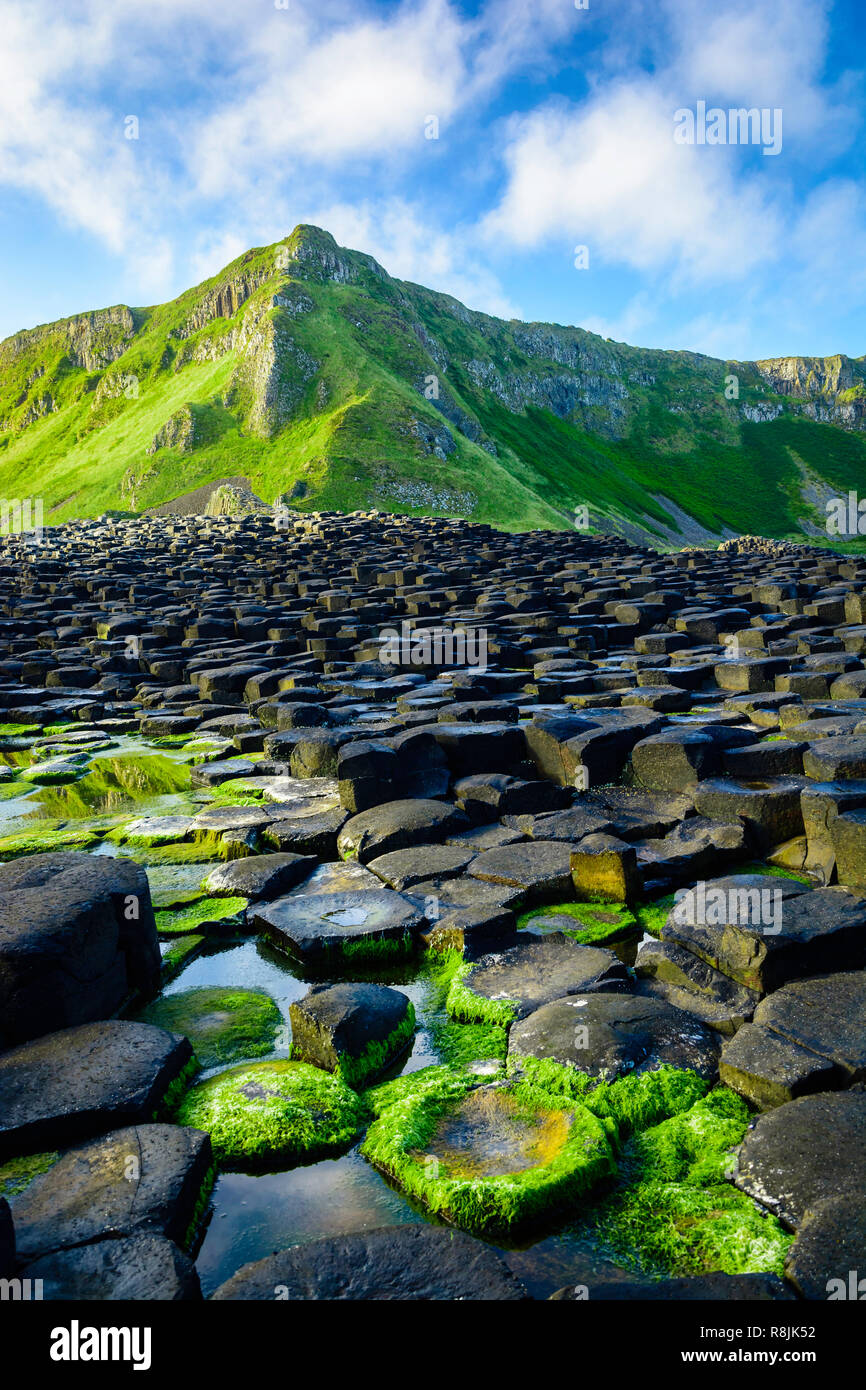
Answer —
271 1112
357 1030
507 985
590 924
204 916
223 1025
491 1157
336 928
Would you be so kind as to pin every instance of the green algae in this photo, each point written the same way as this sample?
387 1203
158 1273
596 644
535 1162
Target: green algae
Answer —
16 1174
203 913
653 915
548 1155
118 784
176 1090
190 852
459 1044
775 871
465 1006
19 730
10 790
223 1025
675 1212
629 1103
595 922
179 954
375 950
273 1112
45 837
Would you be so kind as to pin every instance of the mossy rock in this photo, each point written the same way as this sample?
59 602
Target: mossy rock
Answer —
223 1025
589 923
45 837
492 1157
204 915
676 1211
9 790
18 1173
191 853
270 1113
18 730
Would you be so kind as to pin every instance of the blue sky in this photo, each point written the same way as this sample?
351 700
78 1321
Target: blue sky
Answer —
555 130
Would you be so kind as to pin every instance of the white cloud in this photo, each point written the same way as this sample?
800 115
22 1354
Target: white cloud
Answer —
608 174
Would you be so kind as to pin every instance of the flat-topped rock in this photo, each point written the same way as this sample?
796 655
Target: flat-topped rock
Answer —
609 1035
427 1263
83 1081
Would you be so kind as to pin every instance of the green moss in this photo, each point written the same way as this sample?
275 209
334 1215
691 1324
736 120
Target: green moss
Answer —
465 1006
10 790
674 1212
18 730
223 1025
652 916
774 871
630 1103
45 837
235 791
18 1173
179 954
191 853
368 951
378 1056
560 1152
595 923
118 785
203 913
175 1090
273 1112
460 1043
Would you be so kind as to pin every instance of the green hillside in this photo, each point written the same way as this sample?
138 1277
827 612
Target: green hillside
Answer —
308 371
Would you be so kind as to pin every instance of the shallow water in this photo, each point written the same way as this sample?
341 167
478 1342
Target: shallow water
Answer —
254 1215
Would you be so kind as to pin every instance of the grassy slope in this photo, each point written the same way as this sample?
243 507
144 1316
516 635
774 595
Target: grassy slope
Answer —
350 437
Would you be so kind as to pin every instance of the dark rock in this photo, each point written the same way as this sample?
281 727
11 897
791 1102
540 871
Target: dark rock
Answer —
83 1081
146 1267
77 936
608 1035
428 1263
145 1178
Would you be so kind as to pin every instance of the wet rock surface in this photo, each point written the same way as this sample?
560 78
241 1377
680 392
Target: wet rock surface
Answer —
388 746
407 1262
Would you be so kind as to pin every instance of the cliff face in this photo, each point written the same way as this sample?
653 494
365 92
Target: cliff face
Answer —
306 368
